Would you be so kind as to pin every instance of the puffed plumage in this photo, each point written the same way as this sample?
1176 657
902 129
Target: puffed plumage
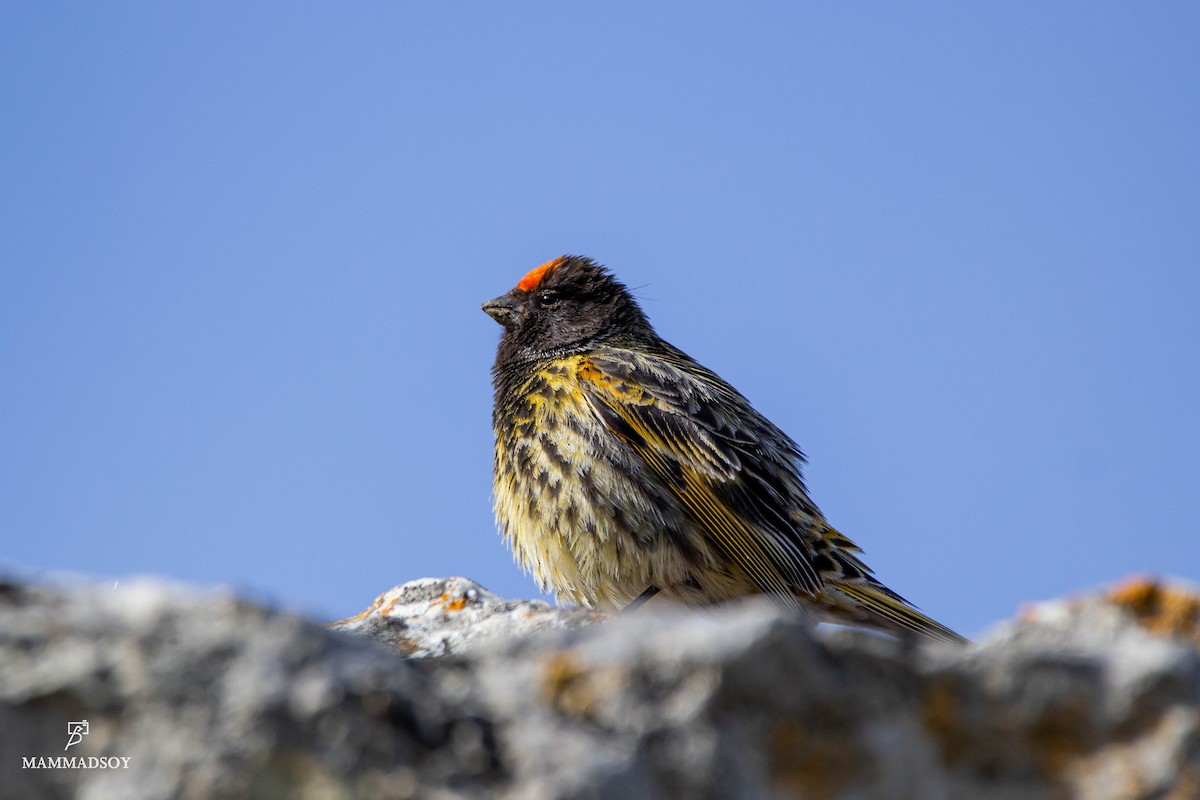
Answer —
624 469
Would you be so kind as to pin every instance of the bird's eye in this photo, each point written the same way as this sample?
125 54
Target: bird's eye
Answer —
547 298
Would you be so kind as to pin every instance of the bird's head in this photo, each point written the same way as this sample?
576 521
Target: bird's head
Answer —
570 304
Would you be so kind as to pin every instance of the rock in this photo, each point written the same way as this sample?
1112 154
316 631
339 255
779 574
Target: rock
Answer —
210 697
1171 610
446 616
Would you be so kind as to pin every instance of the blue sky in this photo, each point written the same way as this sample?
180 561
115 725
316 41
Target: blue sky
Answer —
952 249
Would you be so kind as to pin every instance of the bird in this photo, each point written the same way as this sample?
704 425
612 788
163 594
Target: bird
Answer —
625 470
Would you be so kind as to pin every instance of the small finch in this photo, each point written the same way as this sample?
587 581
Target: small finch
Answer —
624 469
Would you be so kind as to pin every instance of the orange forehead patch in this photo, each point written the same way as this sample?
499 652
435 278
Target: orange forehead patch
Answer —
537 274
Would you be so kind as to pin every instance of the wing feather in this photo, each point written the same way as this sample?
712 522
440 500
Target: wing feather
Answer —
677 425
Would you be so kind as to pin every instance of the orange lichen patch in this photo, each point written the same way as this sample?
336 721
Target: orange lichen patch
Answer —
1187 785
360 616
1027 612
455 604
389 605
577 690
1058 736
1131 767
537 274
382 606
941 713
564 685
804 761
1160 608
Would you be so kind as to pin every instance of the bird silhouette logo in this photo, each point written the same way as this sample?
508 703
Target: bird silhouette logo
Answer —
75 732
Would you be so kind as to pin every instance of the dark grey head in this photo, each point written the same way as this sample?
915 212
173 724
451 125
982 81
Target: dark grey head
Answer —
570 304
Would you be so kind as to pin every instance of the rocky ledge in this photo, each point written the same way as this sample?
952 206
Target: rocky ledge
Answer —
442 690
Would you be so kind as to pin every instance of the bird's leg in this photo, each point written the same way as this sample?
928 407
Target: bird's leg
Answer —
640 600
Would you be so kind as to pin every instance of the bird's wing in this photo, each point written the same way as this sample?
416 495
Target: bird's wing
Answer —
735 473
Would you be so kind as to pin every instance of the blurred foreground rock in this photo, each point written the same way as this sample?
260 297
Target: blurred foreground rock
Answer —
211 697
446 616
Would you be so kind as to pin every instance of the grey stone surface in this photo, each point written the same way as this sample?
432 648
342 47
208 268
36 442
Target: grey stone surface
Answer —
212 697
446 616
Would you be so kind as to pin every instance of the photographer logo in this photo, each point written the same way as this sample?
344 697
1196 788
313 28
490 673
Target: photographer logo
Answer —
75 733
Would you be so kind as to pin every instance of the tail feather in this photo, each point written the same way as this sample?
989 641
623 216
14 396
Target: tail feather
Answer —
874 605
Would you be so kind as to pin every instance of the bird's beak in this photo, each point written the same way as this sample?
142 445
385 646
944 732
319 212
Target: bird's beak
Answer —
503 309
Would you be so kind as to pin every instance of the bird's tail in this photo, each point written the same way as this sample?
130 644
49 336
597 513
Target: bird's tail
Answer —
870 603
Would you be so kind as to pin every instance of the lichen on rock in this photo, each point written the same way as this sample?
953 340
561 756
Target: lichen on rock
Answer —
442 689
